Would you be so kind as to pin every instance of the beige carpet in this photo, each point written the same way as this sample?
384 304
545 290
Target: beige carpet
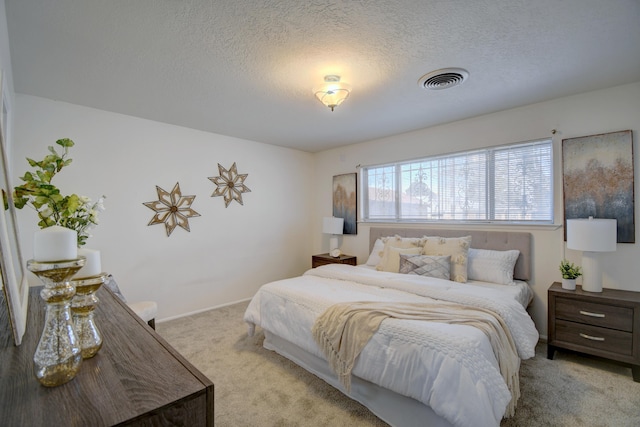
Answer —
256 387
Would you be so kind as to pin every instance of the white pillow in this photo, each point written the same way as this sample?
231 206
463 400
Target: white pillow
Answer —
492 266
456 247
391 261
376 253
426 265
396 242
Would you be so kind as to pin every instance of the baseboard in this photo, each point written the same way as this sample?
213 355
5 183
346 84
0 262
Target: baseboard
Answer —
166 319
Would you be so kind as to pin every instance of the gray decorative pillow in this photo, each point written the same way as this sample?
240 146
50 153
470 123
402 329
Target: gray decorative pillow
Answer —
426 265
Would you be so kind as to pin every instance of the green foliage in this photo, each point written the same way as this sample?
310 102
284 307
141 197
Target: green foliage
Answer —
75 212
569 270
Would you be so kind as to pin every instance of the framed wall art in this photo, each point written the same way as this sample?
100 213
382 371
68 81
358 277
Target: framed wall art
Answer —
345 201
598 180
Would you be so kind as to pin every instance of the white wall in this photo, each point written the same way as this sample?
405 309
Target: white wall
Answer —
228 253
585 114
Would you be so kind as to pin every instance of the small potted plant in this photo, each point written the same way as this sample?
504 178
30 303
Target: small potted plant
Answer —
570 273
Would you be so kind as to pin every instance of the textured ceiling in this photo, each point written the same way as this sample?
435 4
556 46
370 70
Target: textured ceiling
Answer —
247 68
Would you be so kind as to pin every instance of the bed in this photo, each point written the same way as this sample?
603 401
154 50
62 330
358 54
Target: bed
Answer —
412 372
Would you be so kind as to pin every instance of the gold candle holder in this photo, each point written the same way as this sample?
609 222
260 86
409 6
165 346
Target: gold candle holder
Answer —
82 306
58 357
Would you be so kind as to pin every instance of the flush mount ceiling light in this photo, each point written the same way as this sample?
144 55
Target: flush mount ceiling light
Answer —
332 92
443 79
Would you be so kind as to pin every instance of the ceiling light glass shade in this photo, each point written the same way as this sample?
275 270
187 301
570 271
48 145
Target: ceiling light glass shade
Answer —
333 92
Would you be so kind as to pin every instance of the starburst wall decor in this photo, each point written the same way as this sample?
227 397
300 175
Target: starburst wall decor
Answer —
173 209
230 184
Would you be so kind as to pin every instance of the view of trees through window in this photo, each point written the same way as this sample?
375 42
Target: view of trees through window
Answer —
511 183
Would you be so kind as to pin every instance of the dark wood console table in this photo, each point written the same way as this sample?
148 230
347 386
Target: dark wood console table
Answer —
137 378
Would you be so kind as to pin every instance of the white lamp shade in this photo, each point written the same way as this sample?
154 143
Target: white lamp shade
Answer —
332 225
592 234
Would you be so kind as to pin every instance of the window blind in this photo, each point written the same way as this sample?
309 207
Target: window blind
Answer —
511 183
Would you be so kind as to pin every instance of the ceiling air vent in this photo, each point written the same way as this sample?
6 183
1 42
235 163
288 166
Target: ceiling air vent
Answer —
443 79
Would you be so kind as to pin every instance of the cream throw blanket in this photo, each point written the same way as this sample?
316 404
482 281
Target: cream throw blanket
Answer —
344 329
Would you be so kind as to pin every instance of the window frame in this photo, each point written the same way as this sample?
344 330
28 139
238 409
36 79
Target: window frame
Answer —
489 189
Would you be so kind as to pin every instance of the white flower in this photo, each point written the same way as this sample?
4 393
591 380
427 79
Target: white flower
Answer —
99 206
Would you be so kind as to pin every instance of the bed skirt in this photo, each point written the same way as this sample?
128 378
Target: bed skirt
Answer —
391 407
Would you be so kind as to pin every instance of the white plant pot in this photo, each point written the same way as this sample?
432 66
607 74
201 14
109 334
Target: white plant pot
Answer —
569 284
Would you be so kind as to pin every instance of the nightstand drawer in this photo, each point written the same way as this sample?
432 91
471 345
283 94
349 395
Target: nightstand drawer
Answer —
318 262
597 314
593 337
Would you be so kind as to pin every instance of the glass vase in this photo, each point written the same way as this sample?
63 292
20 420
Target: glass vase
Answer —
82 306
58 356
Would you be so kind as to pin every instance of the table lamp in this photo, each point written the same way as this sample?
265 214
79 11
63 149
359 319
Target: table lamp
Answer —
591 236
333 226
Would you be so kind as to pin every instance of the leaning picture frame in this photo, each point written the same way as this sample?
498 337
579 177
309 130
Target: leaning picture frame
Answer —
12 268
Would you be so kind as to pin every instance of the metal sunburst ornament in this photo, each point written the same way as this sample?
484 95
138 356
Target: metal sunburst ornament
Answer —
230 184
173 209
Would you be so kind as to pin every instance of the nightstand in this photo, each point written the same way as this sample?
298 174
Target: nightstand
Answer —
323 259
604 324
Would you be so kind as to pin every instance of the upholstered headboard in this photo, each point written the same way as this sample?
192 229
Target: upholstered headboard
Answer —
496 240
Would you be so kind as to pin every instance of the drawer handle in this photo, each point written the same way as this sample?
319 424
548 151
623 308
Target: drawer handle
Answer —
589 337
588 313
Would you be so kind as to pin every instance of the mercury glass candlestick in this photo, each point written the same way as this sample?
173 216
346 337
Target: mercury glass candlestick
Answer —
58 355
82 306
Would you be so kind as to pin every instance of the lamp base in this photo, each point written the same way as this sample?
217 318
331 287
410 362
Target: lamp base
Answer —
333 242
591 272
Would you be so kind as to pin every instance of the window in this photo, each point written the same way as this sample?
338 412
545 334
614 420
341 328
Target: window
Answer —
511 183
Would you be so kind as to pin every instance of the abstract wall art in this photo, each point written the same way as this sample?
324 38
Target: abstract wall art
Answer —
345 201
598 180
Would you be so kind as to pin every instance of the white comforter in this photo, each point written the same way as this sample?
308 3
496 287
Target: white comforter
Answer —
450 368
